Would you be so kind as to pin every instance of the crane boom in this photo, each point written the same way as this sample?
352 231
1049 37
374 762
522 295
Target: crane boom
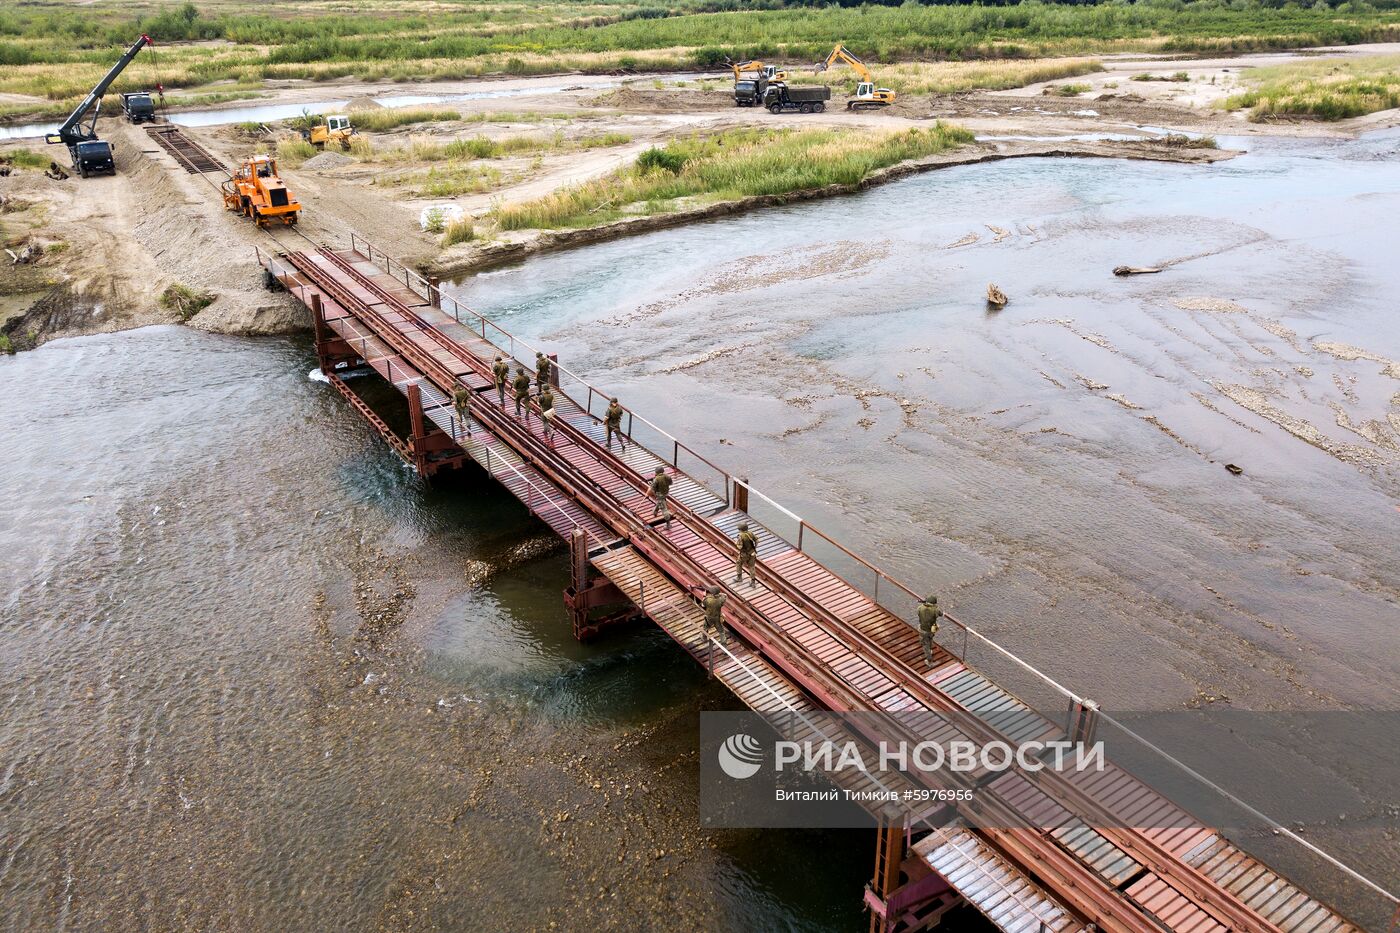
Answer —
73 131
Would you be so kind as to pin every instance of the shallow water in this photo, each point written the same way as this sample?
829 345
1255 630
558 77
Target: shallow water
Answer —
256 676
267 113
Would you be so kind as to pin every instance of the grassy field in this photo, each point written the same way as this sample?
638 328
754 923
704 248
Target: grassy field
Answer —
955 77
734 164
53 51
1325 88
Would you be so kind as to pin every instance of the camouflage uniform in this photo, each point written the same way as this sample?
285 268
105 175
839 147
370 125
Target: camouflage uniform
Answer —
660 489
502 373
748 554
542 365
712 603
522 392
546 402
462 401
929 614
613 421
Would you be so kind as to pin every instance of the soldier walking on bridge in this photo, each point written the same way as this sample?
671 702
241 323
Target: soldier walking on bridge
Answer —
929 614
713 602
660 490
542 364
502 373
748 555
546 403
522 392
462 401
613 421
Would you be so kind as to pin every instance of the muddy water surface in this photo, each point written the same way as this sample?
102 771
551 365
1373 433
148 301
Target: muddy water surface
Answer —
256 677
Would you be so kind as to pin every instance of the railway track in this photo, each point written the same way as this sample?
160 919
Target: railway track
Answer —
193 157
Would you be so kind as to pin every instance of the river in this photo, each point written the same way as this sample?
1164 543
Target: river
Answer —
256 676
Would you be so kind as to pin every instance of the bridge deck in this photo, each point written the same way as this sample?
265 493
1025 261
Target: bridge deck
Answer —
811 640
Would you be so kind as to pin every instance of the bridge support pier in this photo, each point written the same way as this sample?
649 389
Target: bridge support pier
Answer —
430 448
332 353
905 894
584 595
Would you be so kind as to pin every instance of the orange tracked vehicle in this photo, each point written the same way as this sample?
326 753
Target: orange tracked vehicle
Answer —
255 190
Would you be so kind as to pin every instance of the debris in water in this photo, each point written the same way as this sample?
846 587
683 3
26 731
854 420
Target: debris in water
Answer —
1233 470
996 298
1135 270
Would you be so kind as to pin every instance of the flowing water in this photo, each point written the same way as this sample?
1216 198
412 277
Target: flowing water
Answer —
255 676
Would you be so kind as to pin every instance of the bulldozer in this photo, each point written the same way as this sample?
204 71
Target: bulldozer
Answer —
255 190
867 94
334 130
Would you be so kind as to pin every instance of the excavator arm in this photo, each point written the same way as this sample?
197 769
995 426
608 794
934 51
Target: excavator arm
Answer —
73 130
840 54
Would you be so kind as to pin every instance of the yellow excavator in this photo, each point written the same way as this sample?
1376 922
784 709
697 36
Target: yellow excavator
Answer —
867 94
766 72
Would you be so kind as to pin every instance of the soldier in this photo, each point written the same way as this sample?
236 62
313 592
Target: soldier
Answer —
541 369
613 420
462 401
660 489
748 555
502 373
522 392
546 403
929 614
712 603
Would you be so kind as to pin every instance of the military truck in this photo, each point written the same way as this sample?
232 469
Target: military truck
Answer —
138 107
804 99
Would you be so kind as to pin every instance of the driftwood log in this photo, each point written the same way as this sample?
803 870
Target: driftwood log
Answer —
996 298
1136 270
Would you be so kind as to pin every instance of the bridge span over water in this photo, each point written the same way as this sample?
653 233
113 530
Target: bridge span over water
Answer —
823 630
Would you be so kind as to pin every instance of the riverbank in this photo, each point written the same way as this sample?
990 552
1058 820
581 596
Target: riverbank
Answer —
514 246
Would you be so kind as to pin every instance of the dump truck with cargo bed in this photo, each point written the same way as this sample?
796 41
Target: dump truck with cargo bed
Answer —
808 99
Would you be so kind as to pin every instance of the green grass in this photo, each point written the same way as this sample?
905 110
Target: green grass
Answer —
1325 89
1182 141
55 51
1175 76
956 77
293 152
7 347
734 164
379 121
26 158
1070 90
459 231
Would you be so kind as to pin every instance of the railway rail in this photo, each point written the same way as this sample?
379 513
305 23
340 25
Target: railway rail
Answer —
191 156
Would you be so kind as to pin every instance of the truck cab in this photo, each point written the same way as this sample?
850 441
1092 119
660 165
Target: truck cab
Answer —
138 107
92 157
747 94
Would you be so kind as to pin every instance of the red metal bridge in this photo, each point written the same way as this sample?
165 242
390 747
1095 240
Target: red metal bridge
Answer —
808 638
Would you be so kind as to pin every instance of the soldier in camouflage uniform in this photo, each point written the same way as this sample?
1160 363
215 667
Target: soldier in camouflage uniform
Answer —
462 401
712 603
613 421
748 555
546 403
502 373
660 489
522 392
541 369
929 614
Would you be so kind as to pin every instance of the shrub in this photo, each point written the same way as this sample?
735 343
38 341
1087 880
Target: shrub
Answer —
459 231
184 301
26 158
293 152
663 159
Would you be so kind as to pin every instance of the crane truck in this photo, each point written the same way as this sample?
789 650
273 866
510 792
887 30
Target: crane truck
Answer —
867 94
90 155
